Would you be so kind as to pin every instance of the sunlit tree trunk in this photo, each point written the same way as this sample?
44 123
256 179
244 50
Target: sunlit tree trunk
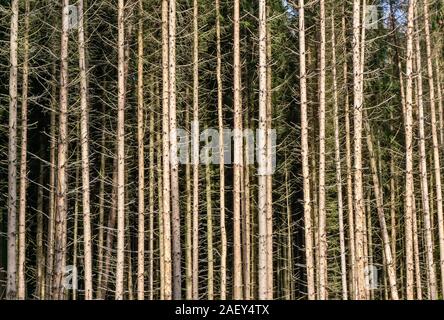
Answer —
21 287
423 176
409 153
322 210
166 207
237 163
141 162
195 151
62 183
305 161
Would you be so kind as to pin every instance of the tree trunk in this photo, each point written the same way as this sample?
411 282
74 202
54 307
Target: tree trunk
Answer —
84 140
120 267
11 286
409 153
350 214
322 211
436 160
62 179
223 233
357 121
262 154
305 161
141 162
21 292
338 167
377 189
195 151
166 156
175 215
423 175
237 164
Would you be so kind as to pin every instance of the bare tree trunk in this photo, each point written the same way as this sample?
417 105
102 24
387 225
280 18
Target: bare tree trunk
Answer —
177 294
223 233
62 183
304 151
377 189
338 166
101 228
423 174
84 123
40 287
351 229
440 102
75 240
21 292
141 162
289 260
160 218
210 257
357 120
409 153
154 95
166 156
262 154
237 261
188 215
11 286
52 191
322 212
120 267
195 151
393 190
417 256
270 150
436 160
246 223
110 234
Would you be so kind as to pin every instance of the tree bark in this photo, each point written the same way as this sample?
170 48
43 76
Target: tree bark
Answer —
322 211
141 162
305 161
11 286
166 207
84 123
21 292
409 154
237 261
62 179
120 153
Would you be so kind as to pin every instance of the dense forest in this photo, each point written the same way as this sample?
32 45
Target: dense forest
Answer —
221 149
